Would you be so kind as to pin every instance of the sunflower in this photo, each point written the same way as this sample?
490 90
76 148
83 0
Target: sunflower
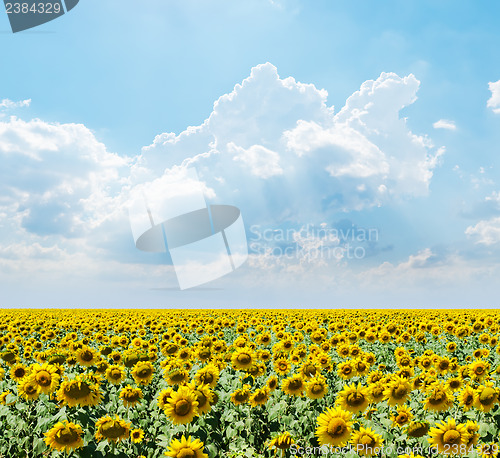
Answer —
473 429
204 396
439 397
478 370
207 375
316 388
130 396
398 391
272 383
243 358
334 427
402 417
111 429
82 390
143 372
241 395
87 356
115 374
18 371
175 374
448 437
376 392
163 397
454 384
485 397
366 442
259 397
345 370
466 397
410 455
45 376
136 435
3 398
182 406
282 441
294 385
353 399
186 448
64 437
282 366
28 389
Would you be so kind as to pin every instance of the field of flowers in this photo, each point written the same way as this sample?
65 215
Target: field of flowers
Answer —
251 383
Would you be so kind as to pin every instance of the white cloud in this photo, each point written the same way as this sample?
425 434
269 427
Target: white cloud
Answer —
485 232
56 179
7 104
445 124
276 149
494 100
261 161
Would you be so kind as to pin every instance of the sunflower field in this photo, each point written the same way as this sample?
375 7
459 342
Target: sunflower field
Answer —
249 383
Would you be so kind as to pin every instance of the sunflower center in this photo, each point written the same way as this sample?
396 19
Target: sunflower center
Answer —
177 376
317 388
201 398
115 374
346 370
487 396
30 389
112 429
87 355
336 427
399 392
437 397
367 440
295 385
131 396
186 453
309 370
144 372
452 437
402 418
207 377
241 396
182 407
43 378
67 436
77 390
20 372
244 358
355 399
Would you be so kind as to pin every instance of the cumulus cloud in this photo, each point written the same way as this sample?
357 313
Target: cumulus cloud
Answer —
274 147
485 232
7 104
494 100
56 179
445 124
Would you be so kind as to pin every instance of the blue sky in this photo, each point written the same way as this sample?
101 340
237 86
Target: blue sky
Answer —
109 77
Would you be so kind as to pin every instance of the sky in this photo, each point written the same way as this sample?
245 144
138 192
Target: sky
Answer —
359 141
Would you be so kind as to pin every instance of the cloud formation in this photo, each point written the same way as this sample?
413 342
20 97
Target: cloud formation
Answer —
494 100
276 149
445 124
